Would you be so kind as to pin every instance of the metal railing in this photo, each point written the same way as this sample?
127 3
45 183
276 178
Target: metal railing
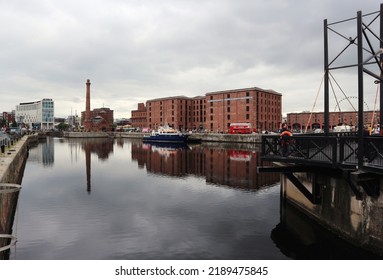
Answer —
335 150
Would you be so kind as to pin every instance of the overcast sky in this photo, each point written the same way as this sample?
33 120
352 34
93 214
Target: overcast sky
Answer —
135 50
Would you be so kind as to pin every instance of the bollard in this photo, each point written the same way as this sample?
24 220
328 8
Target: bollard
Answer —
3 148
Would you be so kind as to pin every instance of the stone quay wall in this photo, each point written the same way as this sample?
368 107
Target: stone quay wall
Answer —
357 221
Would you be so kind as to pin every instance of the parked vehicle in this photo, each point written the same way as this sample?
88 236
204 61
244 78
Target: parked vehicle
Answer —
241 128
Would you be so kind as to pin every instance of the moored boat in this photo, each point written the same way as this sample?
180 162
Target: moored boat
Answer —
166 134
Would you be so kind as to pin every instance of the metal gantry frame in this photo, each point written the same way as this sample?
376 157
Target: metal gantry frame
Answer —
376 57
340 154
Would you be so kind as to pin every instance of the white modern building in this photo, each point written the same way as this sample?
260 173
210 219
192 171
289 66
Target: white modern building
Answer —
36 115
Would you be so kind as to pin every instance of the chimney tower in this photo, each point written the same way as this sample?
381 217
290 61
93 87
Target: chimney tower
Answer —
87 121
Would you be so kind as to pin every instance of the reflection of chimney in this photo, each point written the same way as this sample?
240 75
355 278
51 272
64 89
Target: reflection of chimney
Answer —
87 162
87 122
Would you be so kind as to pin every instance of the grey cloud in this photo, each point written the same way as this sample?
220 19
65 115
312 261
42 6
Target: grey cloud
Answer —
147 49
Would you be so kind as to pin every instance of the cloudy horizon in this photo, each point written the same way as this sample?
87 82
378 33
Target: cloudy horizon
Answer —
133 51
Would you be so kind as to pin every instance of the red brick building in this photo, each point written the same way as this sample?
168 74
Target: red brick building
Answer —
214 112
172 111
311 121
8 119
197 116
261 108
101 119
139 116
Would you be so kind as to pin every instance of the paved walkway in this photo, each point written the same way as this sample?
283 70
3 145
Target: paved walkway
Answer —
7 158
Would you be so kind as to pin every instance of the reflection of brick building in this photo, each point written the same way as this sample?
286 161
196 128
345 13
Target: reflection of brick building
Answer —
215 111
236 168
230 167
298 121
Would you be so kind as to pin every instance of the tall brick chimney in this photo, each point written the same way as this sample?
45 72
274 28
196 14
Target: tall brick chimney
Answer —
87 121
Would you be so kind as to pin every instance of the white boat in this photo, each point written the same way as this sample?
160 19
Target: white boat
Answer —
342 128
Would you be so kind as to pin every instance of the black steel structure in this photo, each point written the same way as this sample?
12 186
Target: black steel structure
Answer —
374 58
355 156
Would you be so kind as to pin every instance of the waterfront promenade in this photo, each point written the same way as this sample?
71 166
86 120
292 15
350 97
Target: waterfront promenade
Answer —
13 160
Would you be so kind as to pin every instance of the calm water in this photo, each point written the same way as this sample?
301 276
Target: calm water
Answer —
122 199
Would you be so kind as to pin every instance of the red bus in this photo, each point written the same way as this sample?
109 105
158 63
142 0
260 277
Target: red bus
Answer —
241 128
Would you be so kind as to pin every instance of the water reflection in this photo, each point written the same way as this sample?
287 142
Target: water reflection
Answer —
102 148
43 153
235 166
145 202
150 201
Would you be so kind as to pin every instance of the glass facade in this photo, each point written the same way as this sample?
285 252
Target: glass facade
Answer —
36 115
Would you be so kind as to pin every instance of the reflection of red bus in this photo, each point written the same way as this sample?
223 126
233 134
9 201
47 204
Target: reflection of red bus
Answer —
241 128
240 155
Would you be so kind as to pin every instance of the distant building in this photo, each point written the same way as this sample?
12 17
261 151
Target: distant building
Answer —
315 120
139 117
123 121
37 114
8 118
261 108
171 111
100 119
213 112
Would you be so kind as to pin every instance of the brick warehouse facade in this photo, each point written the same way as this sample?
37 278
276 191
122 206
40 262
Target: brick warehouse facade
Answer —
261 108
139 116
214 112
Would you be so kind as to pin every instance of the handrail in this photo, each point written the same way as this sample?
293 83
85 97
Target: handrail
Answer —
338 150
